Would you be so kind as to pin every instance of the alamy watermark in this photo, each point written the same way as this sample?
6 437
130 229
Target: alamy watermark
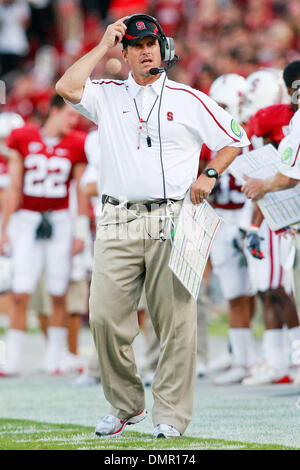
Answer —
2 352
2 92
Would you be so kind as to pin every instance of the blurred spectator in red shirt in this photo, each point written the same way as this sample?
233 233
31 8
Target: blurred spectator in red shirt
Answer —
28 99
170 15
119 8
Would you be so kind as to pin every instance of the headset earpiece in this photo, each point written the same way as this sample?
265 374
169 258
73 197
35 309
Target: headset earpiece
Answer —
169 52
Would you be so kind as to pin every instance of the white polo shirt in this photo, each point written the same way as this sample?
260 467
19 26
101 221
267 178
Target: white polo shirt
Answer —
91 173
289 150
184 119
92 151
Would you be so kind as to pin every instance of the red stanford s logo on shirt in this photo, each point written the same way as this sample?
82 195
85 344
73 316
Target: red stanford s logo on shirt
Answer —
170 116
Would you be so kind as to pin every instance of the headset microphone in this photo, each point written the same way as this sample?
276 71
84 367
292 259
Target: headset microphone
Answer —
170 64
157 70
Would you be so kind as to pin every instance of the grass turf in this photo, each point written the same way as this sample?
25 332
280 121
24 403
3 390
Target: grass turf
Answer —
18 434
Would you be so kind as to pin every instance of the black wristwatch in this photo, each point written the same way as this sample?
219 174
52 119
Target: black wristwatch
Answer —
211 173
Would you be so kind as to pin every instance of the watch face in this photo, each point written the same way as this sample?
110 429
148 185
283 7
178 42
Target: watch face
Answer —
211 173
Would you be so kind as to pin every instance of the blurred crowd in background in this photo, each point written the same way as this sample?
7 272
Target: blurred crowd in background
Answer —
39 39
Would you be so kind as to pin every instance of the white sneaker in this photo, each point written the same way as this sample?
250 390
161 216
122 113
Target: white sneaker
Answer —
85 380
165 431
111 426
61 363
6 374
8 370
266 374
70 363
234 375
50 364
222 362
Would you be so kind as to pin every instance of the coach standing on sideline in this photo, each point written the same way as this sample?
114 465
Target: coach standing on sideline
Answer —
151 132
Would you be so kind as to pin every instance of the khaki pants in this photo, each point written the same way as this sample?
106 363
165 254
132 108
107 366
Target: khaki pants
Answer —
122 262
152 348
151 353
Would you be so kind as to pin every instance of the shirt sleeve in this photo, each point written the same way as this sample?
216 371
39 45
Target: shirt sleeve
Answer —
289 150
92 149
88 105
217 128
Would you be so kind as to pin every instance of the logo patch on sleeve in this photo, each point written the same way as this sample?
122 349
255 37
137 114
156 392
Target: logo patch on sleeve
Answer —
286 157
236 128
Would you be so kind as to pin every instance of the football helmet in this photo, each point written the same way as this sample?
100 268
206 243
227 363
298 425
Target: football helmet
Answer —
264 88
228 91
8 122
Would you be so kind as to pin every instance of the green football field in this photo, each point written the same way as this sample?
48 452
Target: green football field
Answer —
32 435
42 412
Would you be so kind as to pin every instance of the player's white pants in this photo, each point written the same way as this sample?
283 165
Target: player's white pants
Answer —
31 256
267 273
226 259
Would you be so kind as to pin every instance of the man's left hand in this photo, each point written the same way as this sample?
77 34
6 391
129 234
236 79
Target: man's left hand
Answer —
202 188
253 188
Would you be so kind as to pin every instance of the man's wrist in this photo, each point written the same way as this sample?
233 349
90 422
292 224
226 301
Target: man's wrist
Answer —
211 173
266 184
102 47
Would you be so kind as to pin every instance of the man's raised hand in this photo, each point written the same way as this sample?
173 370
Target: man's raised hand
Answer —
114 33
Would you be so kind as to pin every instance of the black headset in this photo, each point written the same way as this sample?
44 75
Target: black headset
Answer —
167 46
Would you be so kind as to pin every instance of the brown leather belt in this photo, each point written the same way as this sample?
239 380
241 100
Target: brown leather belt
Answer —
148 204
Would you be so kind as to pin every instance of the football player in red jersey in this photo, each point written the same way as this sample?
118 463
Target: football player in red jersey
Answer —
46 161
8 121
269 125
